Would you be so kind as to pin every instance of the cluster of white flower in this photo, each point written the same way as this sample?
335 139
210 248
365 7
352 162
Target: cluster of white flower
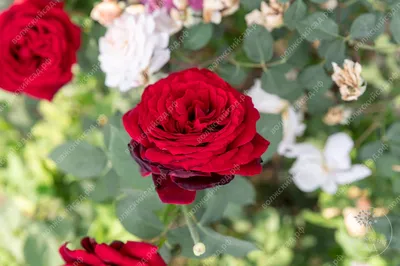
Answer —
270 15
133 49
135 46
314 168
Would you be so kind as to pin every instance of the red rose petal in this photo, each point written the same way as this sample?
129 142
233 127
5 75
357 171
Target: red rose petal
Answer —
203 182
171 193
71 256
111 256
89 244
28 42
211 132
143 251
252 168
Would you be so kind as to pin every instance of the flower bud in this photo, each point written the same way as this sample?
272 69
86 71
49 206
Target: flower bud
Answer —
199 249
106 12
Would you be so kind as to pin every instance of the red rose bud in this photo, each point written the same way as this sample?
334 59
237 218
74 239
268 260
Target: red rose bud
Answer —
38 48
193 131
115 254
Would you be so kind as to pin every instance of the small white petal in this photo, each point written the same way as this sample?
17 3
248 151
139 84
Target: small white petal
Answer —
337 151
306 151
265 102
330 186
132 47
292 127
355 173
164 23
308 176
160 58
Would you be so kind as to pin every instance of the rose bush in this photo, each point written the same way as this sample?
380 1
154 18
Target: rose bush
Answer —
193 131
117 254
38 48
324 76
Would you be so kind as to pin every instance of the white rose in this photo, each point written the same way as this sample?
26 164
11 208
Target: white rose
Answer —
292 119
326 169
132 50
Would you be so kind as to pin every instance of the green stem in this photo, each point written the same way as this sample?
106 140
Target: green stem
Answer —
366 133
349 3
386 50
257 65
245 64
279 62
193 233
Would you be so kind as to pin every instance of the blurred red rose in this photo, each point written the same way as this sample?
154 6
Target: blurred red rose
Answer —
193 131
115 254
38 48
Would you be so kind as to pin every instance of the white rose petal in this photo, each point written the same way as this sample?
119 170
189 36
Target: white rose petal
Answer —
328 169
133 49
292 120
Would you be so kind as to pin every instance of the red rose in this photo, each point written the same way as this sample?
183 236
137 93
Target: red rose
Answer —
115 254
193 131
38 48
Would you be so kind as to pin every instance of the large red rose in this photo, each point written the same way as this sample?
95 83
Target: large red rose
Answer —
38 48
193 131
115 254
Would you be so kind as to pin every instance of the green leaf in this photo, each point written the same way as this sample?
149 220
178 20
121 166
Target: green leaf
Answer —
371 150
79 159
315 77
239 191
389 226
251 4
318 1
123 163
295 13
333 51
274 81
352 246
393 135
38 251
234 75
116 121
384 165
395 28
106 187
271 128
365 26
318 102
135 212
396 184
165 253
298 55
258 45
214 207
318 26
198 36
35 250
213 241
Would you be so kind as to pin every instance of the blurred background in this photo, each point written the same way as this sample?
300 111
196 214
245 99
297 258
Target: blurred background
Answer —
42 207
